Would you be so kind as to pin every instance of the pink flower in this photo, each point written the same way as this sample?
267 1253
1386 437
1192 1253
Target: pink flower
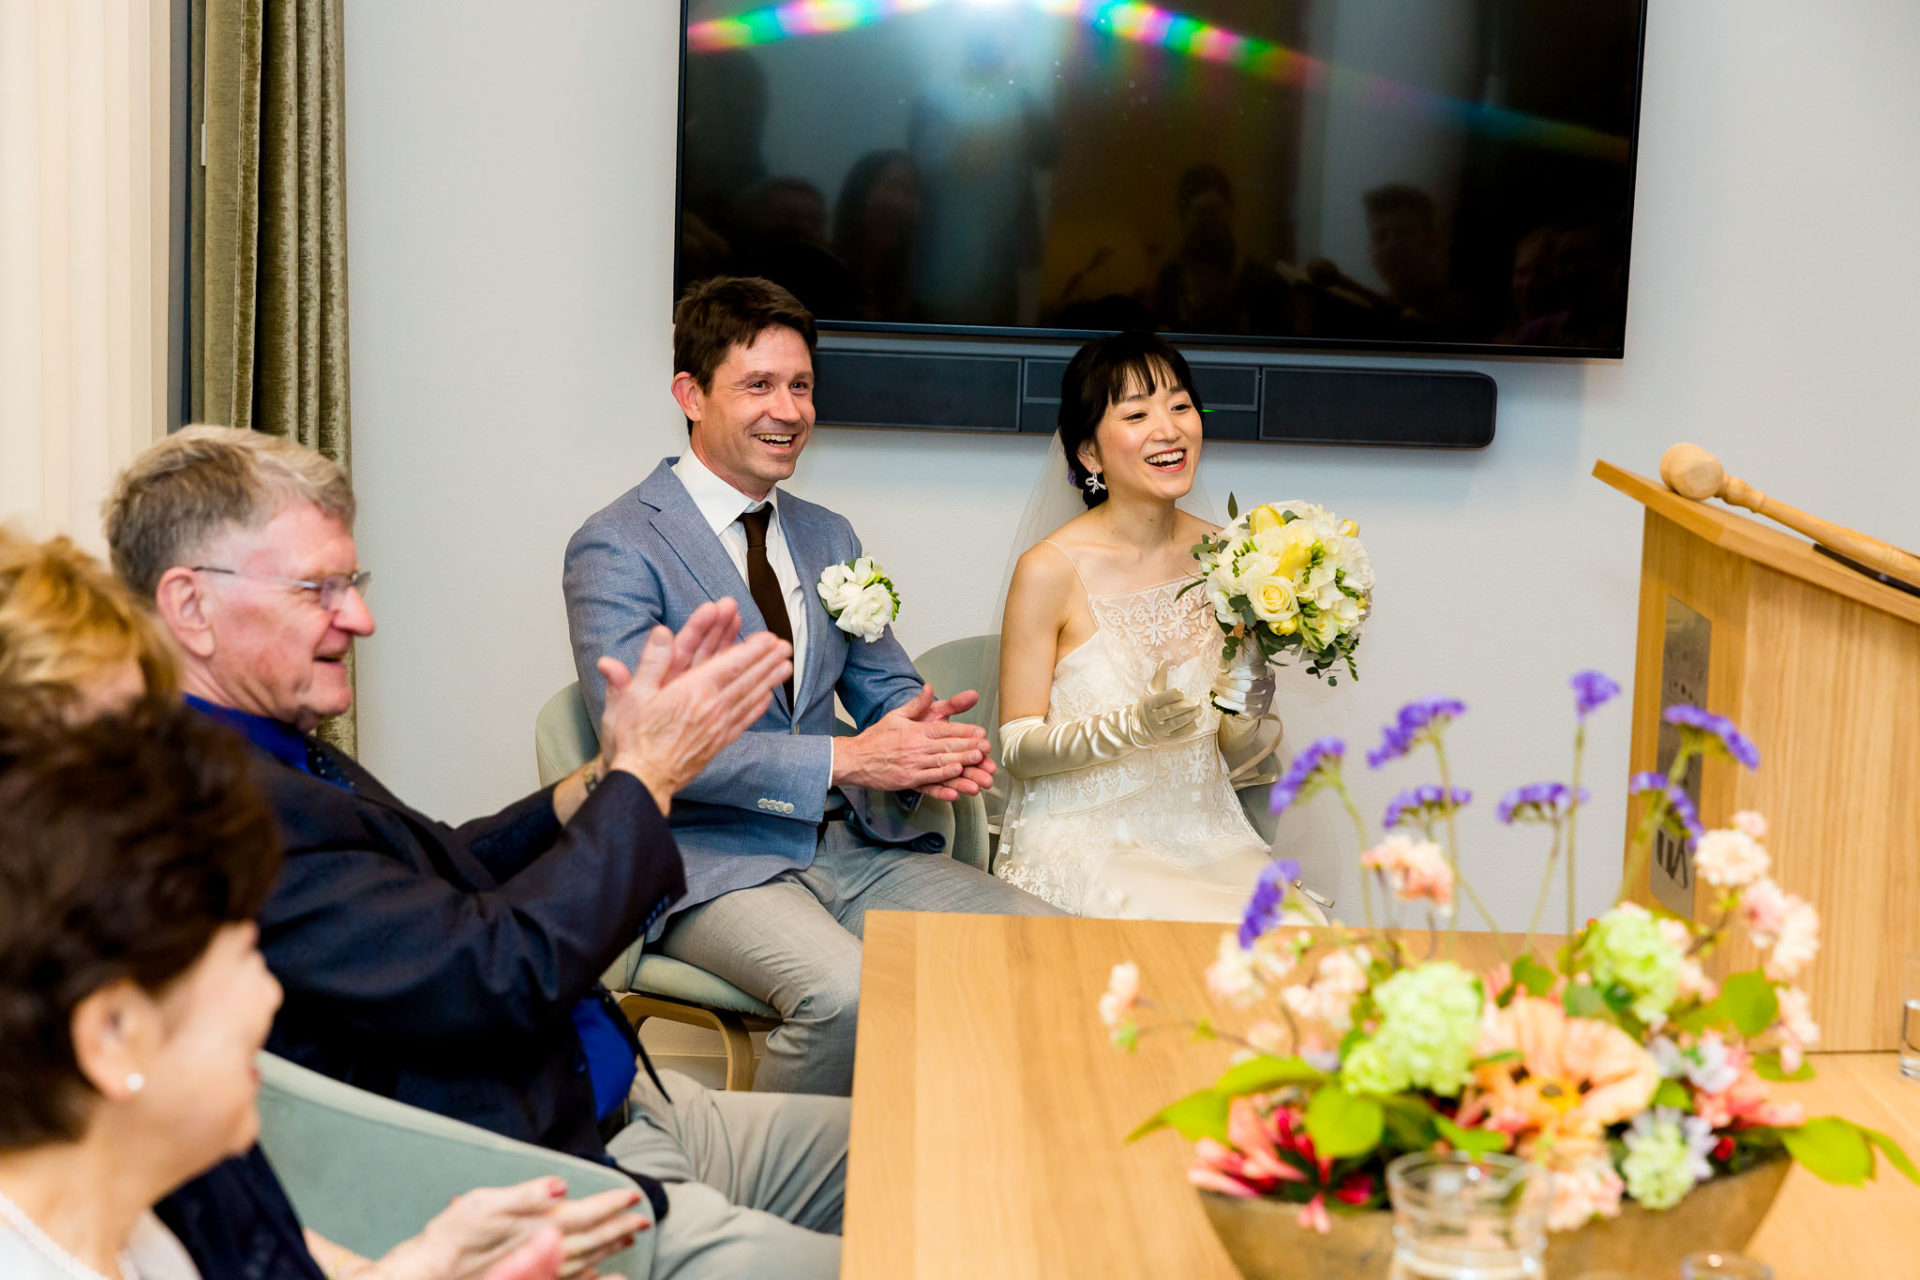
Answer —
1797 940
1730 859
1745 1101
1694 981
1416 869
1586 1187
1574 1077
1123 992
1231 976
1751 822
1764 906
1798 1030
1314 1214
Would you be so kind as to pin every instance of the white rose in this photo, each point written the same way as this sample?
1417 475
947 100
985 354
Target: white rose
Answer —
1253 569
868 614
1221 608
863 570
838 588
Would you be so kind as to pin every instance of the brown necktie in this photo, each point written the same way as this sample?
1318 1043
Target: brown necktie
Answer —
762 585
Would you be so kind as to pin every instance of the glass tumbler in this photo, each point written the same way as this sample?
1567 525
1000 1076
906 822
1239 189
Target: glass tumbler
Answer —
1462 1217
1910 1017
1723 1266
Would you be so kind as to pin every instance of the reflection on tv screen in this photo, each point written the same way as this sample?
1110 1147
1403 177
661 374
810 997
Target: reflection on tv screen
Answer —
1315 172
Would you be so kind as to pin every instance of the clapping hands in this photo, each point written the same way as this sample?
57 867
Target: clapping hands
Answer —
918 747
496 1232
689 695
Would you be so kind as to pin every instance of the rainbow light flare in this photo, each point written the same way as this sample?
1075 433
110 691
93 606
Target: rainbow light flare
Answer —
1148 24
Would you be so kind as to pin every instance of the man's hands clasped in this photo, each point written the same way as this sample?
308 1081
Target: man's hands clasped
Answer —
918 747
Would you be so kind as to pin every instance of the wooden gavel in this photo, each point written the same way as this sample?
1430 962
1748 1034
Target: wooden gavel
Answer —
1692 472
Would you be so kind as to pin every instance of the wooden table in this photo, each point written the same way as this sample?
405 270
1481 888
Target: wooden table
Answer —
990 1112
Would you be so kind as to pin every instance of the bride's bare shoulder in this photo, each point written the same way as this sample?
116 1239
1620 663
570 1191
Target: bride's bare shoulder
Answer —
1191 526
1045 564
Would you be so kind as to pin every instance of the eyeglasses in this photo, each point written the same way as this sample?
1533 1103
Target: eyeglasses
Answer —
330 590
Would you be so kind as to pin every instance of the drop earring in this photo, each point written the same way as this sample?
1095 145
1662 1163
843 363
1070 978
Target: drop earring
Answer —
1094 483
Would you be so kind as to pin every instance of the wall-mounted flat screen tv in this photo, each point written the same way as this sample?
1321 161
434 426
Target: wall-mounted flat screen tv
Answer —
1405 175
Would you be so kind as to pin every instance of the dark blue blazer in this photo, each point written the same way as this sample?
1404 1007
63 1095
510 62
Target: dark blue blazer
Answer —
236 1224
439 966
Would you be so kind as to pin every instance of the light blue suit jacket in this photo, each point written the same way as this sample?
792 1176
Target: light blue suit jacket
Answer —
649 558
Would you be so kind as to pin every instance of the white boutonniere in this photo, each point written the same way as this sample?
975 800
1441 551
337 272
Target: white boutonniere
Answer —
859 597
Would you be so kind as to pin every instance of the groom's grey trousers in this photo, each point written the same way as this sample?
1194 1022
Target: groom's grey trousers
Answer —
794 942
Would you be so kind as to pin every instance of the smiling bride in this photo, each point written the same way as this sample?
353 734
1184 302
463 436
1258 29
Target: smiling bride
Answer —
1122 772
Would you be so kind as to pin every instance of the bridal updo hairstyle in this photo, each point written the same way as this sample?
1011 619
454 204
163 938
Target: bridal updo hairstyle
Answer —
130 842
1101 375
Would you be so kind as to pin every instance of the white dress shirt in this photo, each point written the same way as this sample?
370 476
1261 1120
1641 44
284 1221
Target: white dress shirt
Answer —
722 505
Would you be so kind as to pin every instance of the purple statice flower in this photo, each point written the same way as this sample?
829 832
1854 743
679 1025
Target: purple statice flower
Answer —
1683 810
1416 721
1689 816
1592 690
1269 897
1731 740
1310 770
1421 802
1542 802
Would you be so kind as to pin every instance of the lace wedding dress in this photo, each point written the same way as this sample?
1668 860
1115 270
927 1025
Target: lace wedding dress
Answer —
1158 834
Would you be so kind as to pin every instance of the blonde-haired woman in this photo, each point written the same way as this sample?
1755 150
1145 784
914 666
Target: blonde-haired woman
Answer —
128 1029
73 641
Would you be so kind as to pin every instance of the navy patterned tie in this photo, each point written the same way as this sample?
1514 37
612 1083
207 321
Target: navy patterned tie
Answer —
322 765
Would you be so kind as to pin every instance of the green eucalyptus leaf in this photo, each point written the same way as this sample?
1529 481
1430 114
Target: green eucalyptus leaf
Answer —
1891 1150
1198 1115
1475 1142
1672 1093
1748 999
1233 506
1264 1075
1767 1067
1344 1124
1581 1001
1534 976
1832 1149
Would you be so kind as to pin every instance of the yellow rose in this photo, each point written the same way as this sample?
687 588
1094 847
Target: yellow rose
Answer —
1273 601
1263 518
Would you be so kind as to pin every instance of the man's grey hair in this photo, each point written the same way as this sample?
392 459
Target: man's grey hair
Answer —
201 481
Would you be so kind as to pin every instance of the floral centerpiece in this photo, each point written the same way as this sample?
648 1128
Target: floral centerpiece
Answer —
1288 578
1615 1062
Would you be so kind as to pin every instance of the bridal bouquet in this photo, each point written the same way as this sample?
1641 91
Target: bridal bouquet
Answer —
1616 1063
1289 577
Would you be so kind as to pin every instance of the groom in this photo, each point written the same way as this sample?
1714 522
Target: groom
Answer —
792 833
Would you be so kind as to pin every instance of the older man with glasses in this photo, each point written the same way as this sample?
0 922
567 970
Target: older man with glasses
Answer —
457 969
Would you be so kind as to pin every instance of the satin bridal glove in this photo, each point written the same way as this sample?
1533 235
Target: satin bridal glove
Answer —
1248 734
1032 748
1244 687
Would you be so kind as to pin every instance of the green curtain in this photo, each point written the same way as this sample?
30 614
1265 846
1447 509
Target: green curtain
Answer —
267 212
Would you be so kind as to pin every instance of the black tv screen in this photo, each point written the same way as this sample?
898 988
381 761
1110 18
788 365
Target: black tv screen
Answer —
1444 175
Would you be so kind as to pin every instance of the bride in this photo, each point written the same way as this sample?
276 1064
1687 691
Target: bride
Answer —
1122 772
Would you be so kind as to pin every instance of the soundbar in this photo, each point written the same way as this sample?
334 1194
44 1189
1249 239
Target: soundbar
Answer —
1282 404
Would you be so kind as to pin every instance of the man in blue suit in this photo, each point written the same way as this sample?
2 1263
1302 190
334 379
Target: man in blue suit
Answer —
791 834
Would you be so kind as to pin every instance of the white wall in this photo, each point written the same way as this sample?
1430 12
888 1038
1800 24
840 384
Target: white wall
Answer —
511 189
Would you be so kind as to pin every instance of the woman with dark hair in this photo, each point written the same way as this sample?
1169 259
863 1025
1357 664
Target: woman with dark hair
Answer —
1122 798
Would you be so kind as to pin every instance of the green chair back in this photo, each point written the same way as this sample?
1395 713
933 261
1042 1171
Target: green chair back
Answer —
368 1172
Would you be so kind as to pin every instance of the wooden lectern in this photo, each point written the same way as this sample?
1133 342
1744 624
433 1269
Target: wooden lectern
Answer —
1819 665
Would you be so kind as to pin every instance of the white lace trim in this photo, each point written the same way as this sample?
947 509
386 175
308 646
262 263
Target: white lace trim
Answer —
1173 802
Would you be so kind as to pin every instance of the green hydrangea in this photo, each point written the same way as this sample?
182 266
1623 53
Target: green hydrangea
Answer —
1627 949
1657 1166
1429 1023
